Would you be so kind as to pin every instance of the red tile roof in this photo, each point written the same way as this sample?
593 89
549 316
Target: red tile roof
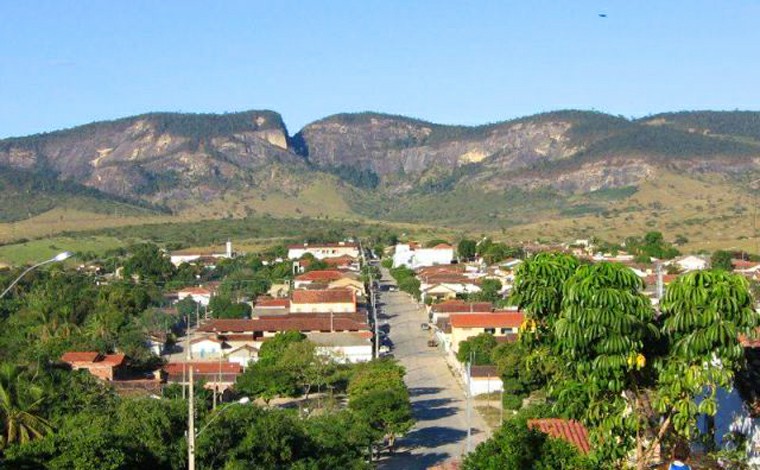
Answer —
113 359
487 320
743 264
335 296
294 322
203 367
93 358
568 430
460 306
267 302
74 356
343 260
324 245
443 246
322 275
195 291
484 371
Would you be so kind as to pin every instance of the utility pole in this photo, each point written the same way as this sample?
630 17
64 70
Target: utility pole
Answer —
469 404
660 287
190 407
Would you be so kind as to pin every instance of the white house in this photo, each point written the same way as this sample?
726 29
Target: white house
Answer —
206 347
691 263
324 250
413 257
200 295
243 355
180 257
344 347
483 380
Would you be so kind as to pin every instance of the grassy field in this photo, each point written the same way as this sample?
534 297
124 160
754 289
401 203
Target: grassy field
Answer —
711 212
39 250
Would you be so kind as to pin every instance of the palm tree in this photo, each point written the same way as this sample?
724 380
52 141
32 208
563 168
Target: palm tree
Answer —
20 402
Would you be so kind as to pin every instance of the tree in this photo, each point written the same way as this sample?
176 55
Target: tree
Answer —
222 306
466 249
721 260
704 313
478 348
20 403
490 291
148 262
378 396
514 445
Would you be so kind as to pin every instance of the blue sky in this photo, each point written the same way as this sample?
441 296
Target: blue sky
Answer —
64 63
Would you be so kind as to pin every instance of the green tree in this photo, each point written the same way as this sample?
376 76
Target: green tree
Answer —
478 348
721 260
466 249
149 263
490 291
703 313
603 329
20 405
514 445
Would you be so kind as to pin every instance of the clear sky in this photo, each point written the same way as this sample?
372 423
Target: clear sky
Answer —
69 62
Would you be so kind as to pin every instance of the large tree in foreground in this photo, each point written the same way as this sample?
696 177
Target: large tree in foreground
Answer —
620 357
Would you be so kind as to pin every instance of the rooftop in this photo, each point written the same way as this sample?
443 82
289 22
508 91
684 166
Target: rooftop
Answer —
487 320
323 275
568 430
460 306
333 296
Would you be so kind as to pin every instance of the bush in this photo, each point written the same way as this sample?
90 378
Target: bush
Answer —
512 402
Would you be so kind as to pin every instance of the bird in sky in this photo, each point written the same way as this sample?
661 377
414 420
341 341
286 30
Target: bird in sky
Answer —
602 15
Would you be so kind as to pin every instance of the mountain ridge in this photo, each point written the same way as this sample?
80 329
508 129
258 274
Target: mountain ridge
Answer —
390 166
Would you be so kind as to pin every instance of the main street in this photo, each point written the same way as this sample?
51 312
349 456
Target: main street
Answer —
438 401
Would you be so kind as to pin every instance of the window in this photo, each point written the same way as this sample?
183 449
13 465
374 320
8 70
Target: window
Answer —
490 330
506 330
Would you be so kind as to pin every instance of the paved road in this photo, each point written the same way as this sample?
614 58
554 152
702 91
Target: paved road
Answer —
438 401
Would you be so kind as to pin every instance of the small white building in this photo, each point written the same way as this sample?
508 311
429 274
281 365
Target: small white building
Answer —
483 380
691 263
206 347
188 257
413 256
345 347
199 295
324 250
243 355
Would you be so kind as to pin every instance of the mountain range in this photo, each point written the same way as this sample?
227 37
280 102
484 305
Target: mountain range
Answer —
573 170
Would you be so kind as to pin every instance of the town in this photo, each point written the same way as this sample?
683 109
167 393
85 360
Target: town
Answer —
420 349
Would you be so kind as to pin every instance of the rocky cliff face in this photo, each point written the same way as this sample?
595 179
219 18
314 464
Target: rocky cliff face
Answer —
173 158
152 156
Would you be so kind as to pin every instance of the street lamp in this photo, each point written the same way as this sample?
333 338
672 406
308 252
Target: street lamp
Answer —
59 257
191 434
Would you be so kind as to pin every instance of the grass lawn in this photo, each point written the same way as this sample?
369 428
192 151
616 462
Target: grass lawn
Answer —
40 250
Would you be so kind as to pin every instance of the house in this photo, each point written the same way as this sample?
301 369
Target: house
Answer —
304 281
691 263
568 430
191 256
243 355
467 325
207 347
102 366
258 329
324 301
324 250
267 306
482 380
214 374
447 286
199 295
279 290
344 348
414 257
442 310
351 282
